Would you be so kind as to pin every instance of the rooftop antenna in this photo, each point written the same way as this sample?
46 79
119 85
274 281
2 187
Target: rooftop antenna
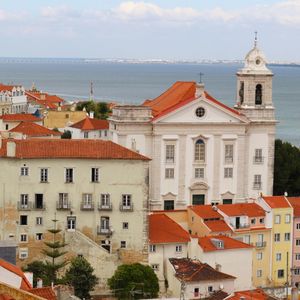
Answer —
92 92
255 39
200 77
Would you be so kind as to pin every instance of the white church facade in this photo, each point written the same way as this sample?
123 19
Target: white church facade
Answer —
203 151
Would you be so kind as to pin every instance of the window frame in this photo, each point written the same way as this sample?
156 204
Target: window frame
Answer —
44 175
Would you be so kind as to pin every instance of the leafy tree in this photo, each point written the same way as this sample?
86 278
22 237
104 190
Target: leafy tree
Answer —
66 135
80 276
286 169
39 270
100 109
134 281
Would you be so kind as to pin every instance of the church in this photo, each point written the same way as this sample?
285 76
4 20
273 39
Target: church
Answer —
202 151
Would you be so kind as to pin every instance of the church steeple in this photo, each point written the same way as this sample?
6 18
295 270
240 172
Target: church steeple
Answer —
254 86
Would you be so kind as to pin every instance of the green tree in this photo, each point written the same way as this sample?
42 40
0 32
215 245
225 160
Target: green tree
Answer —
80 276
39 270
66 135
286 169
134 281
100 109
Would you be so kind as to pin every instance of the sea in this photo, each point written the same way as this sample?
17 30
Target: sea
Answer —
132 83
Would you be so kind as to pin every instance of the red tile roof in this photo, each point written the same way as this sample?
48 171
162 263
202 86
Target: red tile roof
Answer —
63 148
44 292
34 130
25 284
19 118
277 201
194 271
295 202
163 230
242 209
206 243
178 95
4 87
91 124
44 99
257 294
217 226
205 211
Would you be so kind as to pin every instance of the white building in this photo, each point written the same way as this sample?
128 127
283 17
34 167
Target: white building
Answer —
203 151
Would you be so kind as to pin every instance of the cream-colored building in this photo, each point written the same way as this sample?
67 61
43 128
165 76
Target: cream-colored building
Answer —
103 212
203 151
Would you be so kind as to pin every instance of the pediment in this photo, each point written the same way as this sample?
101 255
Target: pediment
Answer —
199 186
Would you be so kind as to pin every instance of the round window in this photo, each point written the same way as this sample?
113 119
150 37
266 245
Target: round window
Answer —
200 112
258 61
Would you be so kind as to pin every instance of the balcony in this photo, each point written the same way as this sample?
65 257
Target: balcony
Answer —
87 206
240 226
126 207
260 244
106 207
257 185
103 231
22 206
63 206
258 160
39 206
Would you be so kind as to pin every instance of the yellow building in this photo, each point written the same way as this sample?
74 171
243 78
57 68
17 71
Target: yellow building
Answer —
279 215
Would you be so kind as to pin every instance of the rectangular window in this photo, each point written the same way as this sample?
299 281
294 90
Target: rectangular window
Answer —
95 174
228 172
228 153
69 175
278 256
287 236
178 248
24 201
39 221
152 248
280 273
210 289
259 273
297 256
39 201
259 255
170 153
85 134
253 221
277 219
258 158
23 237
297 242
105 200
169 173
169 205
296 271
125 225
247 239
23 220
126 200
38 236
196 292
257 182
23 253
123 244
63 202
24 171
277 237
287 218
298 226
261 220
199 172
44 175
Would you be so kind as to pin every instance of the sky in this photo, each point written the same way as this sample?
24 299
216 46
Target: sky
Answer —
153 29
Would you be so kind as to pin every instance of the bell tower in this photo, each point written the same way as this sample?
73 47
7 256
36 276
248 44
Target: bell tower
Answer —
254 87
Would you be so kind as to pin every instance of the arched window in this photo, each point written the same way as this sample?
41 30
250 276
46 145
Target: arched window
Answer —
258 94
200 150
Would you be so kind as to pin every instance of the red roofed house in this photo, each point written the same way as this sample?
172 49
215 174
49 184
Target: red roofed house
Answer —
10 121
85 183
227 255
12 99
90 128
197 280
257 294
202 150
167 239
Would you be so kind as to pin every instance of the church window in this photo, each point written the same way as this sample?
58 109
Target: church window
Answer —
200 151
200 112
228 153
169 205
199 172
258 94
241 92
228 172
169 173
170 153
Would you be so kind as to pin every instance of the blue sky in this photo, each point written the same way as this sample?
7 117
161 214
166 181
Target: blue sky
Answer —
169 29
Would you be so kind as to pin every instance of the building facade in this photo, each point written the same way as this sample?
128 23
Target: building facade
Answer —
203 151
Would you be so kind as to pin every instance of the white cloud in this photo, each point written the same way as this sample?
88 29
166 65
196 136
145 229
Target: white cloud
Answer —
59 12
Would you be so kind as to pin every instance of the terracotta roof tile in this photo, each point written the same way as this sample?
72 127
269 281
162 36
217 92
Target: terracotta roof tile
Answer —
91 124
4 87
217 295
163 229
242 209
277 201
257 294
32 129
206 243
63 148
44 292
206 212
295 203
194 271
19 118
217 226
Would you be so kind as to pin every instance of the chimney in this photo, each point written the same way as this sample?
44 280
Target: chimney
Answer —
91 114
11 149
199 89
39 283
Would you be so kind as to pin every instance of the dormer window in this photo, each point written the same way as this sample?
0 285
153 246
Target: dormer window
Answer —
258 94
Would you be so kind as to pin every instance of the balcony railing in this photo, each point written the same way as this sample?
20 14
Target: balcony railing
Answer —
63 206
22 206
260 244
126 207
240 226
106 207
258 159
41 206
87 206
257 185
103 230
